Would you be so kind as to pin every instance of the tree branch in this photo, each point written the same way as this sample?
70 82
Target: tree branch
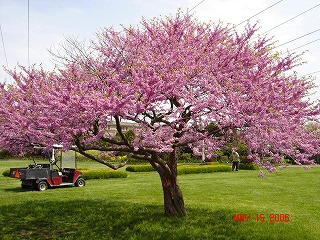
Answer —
114 167
119 129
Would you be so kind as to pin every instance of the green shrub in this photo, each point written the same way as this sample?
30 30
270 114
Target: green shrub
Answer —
94 153
103 174
248 166
134 161
185 157
193 159
91 174
4 154
206 168
218 153
140 168
6 173
203 169
224 159
82 168
210 163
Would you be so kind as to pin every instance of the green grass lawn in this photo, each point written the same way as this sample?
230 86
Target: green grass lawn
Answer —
132 207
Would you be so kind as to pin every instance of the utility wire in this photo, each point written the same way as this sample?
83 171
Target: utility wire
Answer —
310 73
4 48
29 33
298 38
259 13
292 18
304 45
195 6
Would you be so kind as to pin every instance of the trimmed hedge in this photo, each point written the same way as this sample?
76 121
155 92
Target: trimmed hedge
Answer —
91 174
210 163
103 174
214 167
6 173
248 166
203 169
140 168
82 169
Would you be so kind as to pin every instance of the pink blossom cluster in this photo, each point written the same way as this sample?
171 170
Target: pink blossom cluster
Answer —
173 77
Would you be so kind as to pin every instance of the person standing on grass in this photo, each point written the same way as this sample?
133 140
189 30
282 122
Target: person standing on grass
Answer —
235 160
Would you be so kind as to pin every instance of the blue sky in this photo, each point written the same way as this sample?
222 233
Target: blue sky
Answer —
51 21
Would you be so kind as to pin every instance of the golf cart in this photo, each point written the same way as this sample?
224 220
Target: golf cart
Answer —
43 175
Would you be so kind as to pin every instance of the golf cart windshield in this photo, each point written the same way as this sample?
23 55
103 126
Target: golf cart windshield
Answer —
68 159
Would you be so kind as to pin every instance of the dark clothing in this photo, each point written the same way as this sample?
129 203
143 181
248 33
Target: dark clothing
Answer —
235 165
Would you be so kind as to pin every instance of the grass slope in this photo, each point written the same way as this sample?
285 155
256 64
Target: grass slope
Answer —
132 207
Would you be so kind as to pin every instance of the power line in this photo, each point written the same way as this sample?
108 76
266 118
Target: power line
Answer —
259 13
195 6
292 18
304 45
29 33
310 73
298 38
4 48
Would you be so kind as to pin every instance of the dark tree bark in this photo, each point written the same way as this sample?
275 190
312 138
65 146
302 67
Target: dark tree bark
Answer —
172 194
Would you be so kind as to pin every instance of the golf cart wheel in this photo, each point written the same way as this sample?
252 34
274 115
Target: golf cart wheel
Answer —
80 182
42 186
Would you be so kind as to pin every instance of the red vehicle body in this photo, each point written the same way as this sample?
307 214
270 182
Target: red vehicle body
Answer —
42 176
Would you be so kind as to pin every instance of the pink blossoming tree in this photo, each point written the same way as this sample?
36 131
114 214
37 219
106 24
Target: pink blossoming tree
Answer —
172 77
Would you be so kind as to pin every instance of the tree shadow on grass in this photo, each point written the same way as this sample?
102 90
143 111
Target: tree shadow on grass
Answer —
16 189
30 188
93 219
107 220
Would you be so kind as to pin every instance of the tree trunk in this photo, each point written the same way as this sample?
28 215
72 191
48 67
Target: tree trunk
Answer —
172 195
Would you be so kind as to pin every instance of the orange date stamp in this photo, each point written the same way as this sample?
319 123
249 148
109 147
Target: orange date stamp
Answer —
273 217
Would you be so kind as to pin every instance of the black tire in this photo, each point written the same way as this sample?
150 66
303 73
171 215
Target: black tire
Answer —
80 182
42 186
